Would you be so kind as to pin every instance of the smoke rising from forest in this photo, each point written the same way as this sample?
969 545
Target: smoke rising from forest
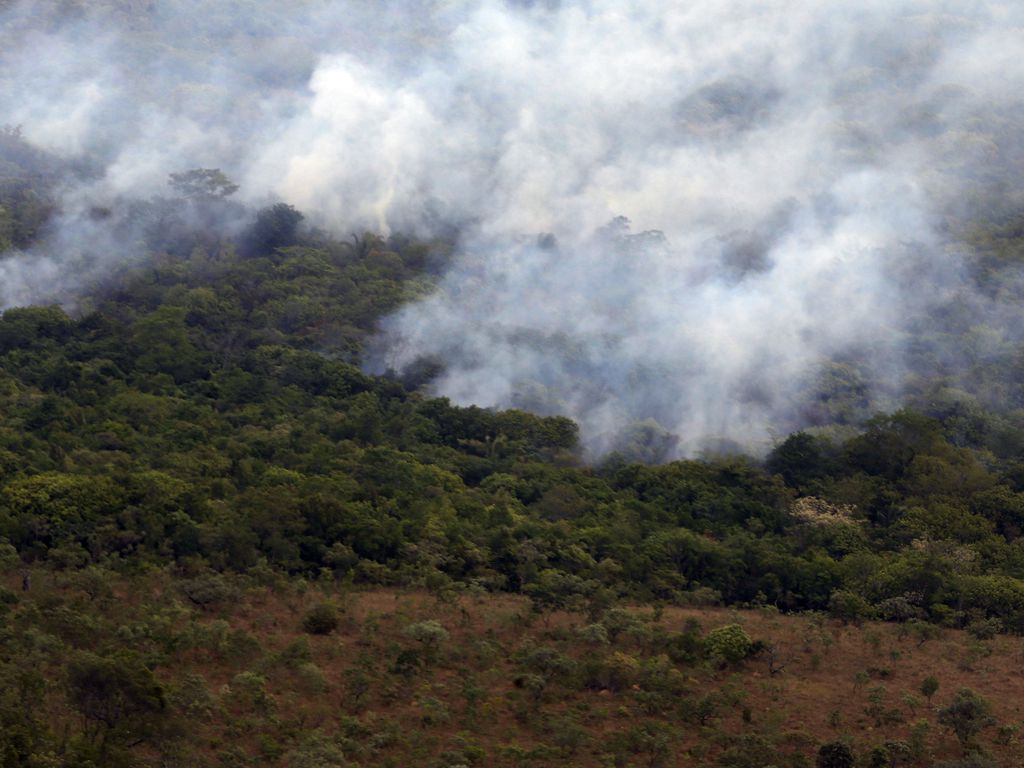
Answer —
673 218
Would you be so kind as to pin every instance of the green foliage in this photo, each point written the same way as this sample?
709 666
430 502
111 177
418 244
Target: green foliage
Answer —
208 590
849 607
967 715
117 695
651 742
973 760
801 460
729 644
835 754
322 619
315 750
985 629
28 327
28 177
929 686
206 416
430 636
275 227
189 419
747 751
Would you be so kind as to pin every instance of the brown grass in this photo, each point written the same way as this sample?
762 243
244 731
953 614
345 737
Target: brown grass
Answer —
828 671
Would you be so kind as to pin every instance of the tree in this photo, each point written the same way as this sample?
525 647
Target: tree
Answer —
202 183
834 754
729 644
429 634
750 750
554 590
800 459
848 607
48 509
651 740
358 684
321 620
22 327
274 227
117 696
967 716
162 342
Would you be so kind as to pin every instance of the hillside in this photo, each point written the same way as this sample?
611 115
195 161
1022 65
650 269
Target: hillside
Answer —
242 674
511 383
186 473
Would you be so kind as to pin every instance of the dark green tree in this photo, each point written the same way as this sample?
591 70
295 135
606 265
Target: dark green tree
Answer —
117 696
835 754
967 716
275 227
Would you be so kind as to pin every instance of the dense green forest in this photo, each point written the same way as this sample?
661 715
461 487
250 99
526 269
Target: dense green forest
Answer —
204 405
200 414
191 414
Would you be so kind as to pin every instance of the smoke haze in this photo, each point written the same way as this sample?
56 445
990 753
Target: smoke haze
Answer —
672 217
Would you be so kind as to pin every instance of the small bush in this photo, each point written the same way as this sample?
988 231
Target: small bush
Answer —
729 644
849 607
430 635
985 629
208 590
967 716
835 754
311 680
316 750
975 760
321 620
593 634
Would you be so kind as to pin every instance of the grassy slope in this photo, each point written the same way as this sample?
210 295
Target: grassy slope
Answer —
275 695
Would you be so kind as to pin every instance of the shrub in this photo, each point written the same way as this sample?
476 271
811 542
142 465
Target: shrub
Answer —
9 558
618 620
208 590
429 634
835 754
316 750
975 760
967 715
985 629
848 607
593 634
321 620
685 647
433 711
729 644
750 750
899 608
249 691
310 679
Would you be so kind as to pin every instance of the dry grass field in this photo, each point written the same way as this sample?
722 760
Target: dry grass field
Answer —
489 683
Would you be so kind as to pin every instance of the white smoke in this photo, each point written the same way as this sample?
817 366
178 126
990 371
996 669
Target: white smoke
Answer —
794 166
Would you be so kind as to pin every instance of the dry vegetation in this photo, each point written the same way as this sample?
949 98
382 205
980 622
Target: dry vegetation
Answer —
412 678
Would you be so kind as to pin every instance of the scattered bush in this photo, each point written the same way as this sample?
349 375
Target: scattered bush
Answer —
929 686
835 754
985 629
849 607
967 716
208 590
322 619
728 645
430 635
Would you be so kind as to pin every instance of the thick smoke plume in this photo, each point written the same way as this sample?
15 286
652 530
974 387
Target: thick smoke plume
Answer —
671 215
